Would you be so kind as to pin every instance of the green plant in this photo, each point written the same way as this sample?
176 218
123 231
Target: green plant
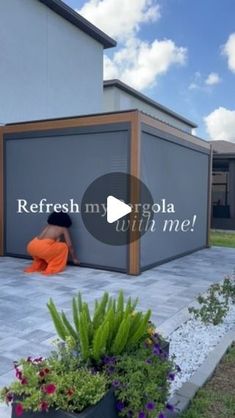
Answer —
121 349
228 289
46 383
215 305
141 381
114 328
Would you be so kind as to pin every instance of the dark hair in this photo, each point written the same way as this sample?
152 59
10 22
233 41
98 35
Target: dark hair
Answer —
59 219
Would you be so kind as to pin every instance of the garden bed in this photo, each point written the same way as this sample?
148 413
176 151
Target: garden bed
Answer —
192 342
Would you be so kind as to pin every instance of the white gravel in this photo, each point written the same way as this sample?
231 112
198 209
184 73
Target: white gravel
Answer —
192 342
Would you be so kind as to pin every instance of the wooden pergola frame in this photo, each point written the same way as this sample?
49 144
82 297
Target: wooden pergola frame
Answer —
135 118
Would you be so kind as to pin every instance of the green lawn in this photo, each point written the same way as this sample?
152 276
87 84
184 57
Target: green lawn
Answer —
217 398
223 239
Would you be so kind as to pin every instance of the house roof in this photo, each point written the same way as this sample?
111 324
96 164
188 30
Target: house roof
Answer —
79 21
119 84
223 147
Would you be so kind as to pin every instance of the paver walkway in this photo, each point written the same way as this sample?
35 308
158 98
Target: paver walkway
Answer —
25 325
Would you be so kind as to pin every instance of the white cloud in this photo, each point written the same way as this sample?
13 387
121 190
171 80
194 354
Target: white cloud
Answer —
212 79
120 18
197 79
199 83
229 50
193 86
220 124
136 62
139 63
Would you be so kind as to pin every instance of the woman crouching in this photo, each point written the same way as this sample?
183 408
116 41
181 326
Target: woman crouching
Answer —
50 255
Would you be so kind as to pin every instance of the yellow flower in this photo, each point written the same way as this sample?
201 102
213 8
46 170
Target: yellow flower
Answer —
151 331
149 341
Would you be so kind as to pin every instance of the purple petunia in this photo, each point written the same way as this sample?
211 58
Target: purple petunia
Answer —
110 360
161 415
157 346
141 415
169 407
111 369
120 406
150 406
116 383
157 350
171 376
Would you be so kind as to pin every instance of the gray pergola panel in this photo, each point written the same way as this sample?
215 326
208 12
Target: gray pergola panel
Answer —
179 175
60 168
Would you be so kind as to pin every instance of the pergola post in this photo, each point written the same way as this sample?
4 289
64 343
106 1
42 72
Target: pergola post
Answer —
209 207
1 193
134 246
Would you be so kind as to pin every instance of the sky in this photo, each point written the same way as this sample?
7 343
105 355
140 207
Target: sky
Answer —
180 53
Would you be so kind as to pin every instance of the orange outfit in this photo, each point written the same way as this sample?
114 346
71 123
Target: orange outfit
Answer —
49 256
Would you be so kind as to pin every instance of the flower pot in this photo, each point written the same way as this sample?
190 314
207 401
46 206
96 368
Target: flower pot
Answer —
165 346
105 408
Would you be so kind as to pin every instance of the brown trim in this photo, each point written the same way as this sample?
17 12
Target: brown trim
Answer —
1 194
69 123
209 204
134 246
148 120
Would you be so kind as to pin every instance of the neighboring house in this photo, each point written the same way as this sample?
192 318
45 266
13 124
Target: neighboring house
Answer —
52 67
51 61
223 185
119 96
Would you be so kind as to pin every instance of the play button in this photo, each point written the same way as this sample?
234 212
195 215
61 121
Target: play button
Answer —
114 206
116 209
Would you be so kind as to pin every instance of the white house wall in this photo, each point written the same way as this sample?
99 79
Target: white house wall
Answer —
48 67
116 99
110 100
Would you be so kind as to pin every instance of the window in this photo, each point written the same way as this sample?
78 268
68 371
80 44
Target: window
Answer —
220 190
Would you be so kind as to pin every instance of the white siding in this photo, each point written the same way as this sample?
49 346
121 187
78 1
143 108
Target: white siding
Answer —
48 67
110 100
116 99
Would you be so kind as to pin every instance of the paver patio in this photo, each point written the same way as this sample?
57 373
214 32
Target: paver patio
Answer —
25 325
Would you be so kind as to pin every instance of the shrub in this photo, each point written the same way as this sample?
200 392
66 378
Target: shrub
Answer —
215 305
114 328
